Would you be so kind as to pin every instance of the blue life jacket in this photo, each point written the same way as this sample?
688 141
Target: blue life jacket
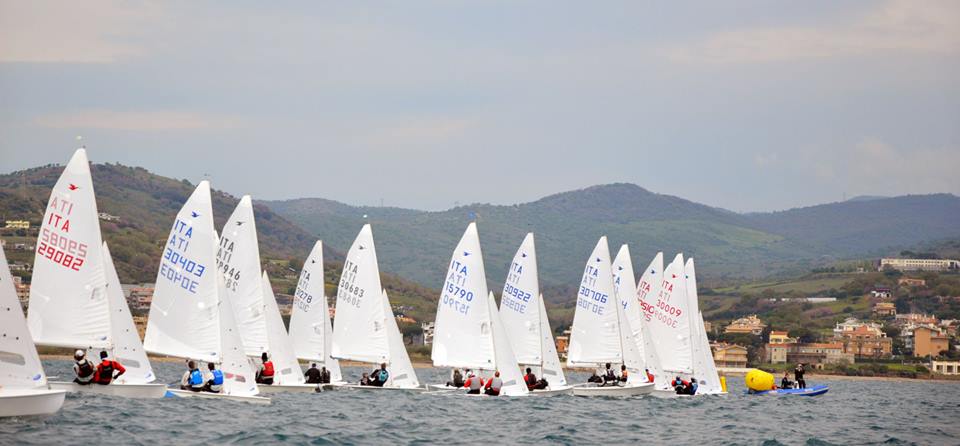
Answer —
693 388
196 378
383 375
217 377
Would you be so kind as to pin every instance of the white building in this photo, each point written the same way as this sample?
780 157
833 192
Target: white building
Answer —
920 264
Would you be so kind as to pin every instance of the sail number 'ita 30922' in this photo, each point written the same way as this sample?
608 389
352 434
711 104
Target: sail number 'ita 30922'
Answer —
513 297
454 294
175 265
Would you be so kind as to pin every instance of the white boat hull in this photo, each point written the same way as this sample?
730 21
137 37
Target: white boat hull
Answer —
290 388
670 393
615 391
115 389
177 393
553 391
359 387
27 402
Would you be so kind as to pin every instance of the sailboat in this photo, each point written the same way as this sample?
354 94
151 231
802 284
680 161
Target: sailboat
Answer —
254 305
468 331
524 317
601 333
23 385
704 368
310 329
366 329
75 299
191 316
639 314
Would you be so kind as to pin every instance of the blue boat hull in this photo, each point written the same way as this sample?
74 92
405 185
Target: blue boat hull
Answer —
809 391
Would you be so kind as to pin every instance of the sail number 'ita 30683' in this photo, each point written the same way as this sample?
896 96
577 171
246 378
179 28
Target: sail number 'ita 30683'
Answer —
352 293
176 266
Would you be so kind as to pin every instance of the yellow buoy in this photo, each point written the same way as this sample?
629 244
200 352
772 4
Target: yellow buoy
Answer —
758 380
723 384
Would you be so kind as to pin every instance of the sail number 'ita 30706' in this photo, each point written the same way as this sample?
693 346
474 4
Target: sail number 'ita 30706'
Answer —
351 292
513 297
663 311
57 246
588 298
454 293
175 265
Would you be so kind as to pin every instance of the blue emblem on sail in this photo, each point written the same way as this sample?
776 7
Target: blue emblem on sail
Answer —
465 253
194 214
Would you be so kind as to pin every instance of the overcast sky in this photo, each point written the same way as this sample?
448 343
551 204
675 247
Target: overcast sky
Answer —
745 105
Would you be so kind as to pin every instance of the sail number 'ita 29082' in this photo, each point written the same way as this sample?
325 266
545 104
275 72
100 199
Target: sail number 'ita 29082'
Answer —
59 248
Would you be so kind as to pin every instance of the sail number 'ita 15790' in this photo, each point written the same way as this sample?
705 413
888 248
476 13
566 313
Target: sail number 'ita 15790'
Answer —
454 294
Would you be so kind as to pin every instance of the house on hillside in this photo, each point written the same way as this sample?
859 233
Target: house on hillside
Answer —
905 281
881 292
884 309
925 340
746 325
729 355
427 328
945 367
863 339
919 264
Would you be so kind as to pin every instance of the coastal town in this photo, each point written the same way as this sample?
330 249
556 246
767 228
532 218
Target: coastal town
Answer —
886 339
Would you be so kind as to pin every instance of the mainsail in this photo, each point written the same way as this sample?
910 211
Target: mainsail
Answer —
310 327
68 301
625 287
20 365
595 334
669 321
518 307
360 332
238 260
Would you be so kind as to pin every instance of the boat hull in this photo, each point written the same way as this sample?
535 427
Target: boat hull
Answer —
810 391
399 389
614 391
553 391
115 389
28 402
290 388
177 393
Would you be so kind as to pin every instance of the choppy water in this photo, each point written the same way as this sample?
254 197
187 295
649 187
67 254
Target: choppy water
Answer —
853 412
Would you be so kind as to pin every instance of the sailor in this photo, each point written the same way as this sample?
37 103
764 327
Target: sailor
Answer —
106 368
680 386
192 378
312 374
649 375
265 372
324 375
365 379
83 368
692 390
798 376
494 385
456 379
215 383
380 376
785 383
473 383
530 379
609 376
623 374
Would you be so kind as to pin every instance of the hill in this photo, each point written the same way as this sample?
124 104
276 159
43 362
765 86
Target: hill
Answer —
146 203
417 244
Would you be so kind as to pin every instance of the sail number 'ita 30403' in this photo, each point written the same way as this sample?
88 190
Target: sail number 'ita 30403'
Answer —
175 266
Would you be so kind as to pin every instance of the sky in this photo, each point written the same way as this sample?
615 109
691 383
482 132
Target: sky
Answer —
746 105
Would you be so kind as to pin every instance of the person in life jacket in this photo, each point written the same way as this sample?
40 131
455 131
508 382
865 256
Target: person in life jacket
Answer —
680 386
473 383
649 375
494 385
456 379
83 368
623 374
530 379
365 379
312 375
265 372
106 368
379 376
192 378
215 383
609 376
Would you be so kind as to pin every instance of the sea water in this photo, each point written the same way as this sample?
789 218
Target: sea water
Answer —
853 412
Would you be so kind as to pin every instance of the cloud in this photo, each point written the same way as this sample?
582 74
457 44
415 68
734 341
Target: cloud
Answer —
136 120
931 27
100 31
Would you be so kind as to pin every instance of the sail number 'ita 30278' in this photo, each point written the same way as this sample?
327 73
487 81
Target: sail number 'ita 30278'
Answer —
454 293
58 247
351 292
589 299
176 266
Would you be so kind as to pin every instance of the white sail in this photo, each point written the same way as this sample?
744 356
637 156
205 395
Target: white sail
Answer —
238 374
127 348
184 317
704 369
632 358
19 363
360 333
625 286
518 307
402 373
595 334
649 285
238 259
669 321
310 327
68 302
504 360
551 368
281 349
462 335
